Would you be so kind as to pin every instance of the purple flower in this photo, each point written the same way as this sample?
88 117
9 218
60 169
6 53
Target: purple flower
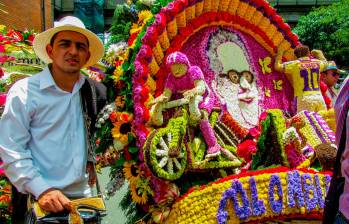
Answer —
294 189
327 182
138 111
243 211
308 188
276 206
258 207
320 196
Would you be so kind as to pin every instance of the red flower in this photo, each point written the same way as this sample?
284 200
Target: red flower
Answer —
127 154
17 36
2 48
160 22
150 37
132 38
294 38
30 39
146 114
124 117
246 149
1 73
113 116
145 93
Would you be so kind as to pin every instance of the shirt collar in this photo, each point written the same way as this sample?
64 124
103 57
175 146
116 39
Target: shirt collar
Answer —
304 58
46 80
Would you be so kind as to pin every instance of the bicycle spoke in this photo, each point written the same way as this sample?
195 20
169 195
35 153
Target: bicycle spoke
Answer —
178 165
163 162
161 153
170 166
163 144
169 137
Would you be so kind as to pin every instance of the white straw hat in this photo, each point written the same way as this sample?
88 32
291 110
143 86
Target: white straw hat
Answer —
69 23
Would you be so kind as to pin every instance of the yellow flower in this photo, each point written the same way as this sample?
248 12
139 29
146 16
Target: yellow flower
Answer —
138 197
143 18
122 127
117 74
132 172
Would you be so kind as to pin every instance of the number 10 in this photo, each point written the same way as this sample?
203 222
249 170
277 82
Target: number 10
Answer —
311 81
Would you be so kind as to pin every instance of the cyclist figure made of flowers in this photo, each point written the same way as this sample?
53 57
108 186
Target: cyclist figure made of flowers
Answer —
188 81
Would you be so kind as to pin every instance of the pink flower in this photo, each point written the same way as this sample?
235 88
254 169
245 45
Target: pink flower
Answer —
2 99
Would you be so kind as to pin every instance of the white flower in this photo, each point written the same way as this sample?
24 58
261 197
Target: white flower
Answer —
101 121
105 116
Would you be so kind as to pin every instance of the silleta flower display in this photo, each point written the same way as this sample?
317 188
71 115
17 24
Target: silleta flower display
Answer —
205 128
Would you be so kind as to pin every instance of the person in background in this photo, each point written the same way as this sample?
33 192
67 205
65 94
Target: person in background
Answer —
45 132
304 76
341 108
329 79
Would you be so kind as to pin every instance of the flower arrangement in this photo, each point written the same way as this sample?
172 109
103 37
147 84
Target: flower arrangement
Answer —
270 143
153 30
313 128
5 200
254 197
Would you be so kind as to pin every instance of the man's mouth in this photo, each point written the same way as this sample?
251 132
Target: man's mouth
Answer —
72 61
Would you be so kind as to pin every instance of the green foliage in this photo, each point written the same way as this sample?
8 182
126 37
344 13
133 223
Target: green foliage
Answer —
123 18
131 210
327 28
270 150
158 5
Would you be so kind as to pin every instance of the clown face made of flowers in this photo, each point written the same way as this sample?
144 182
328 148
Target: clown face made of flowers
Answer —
187 81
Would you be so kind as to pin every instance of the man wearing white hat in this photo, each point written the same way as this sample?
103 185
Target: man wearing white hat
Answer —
44 141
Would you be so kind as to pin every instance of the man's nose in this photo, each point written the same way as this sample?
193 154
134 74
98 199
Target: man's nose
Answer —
73 49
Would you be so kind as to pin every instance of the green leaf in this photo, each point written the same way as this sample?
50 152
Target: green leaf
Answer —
133 149
120 162
131 137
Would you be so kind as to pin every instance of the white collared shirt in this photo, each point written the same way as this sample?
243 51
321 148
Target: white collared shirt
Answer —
42 140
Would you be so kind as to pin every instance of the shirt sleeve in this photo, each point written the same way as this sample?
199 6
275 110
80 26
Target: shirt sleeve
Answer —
14 151
290 67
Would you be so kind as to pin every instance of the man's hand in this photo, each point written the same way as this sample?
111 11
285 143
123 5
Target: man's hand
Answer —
92 176
278 60
54 201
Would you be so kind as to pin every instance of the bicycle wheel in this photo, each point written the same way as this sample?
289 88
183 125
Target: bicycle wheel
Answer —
165 160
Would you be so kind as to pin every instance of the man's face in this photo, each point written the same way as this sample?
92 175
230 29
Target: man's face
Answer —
179 70
330 77
70 51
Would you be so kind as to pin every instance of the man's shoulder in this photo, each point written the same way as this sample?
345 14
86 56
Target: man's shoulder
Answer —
291 63
25 84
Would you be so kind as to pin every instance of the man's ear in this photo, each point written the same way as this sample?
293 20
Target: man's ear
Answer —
49 50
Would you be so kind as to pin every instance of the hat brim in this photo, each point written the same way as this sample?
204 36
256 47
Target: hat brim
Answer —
96 46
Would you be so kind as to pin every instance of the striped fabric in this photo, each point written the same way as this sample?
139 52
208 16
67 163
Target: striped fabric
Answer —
341 108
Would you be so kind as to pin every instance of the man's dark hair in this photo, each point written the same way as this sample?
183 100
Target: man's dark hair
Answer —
53 39
301 51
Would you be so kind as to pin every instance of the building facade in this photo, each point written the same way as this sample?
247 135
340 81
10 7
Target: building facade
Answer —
21 14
